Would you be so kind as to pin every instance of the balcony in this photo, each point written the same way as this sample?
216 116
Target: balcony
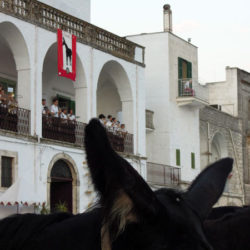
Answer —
66 131
149 120
15 120
162 175
191 93
49 18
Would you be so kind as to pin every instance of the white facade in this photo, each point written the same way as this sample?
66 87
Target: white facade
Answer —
229 100
104 84
176 127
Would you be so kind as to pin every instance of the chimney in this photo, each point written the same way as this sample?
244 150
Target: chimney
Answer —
167 18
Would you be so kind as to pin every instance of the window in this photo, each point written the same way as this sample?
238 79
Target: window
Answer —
193 160
6 172
184 76
9 86
184 69
66 102
178 157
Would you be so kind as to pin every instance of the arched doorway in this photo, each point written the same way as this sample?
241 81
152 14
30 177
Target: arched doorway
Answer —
61 188
218 147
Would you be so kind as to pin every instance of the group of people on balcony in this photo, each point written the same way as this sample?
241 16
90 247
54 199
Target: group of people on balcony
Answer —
8 111
57 112
58 124
113 125
8 100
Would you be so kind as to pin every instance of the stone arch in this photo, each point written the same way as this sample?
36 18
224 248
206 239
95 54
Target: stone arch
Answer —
13 38
204 148
218 147
74 90
114 93
75 178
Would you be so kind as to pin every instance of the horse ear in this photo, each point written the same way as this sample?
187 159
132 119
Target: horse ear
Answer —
124 195
207 188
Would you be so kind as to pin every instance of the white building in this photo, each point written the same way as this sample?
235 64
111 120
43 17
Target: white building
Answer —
109 80
173 99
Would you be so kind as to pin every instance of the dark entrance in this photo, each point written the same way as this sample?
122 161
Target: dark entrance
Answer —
61 186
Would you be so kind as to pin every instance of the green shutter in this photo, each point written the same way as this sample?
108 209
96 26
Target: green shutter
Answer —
180 68
73 106
179 74
189 70
178 157
193 160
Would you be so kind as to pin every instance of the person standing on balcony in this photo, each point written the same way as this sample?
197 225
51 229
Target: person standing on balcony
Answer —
45 109
54 109
109 122
102 119
71 115
63 115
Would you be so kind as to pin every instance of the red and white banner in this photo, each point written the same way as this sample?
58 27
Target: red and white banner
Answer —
66 54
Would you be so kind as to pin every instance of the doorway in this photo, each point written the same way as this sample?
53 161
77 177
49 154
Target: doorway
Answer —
61 188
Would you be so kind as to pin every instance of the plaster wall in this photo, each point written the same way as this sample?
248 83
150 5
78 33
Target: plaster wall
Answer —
225 93
175 127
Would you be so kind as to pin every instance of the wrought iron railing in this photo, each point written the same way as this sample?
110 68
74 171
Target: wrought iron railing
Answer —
122 142
63 130
52 19
15 119
73 132
188 87
150 119
163 175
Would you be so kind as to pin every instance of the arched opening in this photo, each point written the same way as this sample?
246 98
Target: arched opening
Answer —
14 79
61 192
204 148
218 147
114 94
71 95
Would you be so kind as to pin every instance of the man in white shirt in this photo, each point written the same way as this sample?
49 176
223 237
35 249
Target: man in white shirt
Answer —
109 122
71 115
54 110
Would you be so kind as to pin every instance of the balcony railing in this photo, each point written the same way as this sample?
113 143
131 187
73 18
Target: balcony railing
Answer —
52 19
73 132
162 175
188 87
15 119
150 119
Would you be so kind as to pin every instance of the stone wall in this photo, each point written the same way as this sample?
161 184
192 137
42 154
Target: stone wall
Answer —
213 123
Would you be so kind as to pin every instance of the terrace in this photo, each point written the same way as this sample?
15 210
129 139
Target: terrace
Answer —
162 175
191 93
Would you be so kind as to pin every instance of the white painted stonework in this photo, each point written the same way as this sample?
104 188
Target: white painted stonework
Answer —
176 127
104 84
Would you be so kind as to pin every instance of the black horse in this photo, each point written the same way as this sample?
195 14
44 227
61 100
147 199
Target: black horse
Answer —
129 215
68 53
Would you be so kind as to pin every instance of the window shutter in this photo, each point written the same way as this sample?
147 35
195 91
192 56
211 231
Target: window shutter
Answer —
180 76
178 157
193 160
73 106
189 70
180 68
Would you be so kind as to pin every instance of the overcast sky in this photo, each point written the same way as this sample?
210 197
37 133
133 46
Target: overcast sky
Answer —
219 28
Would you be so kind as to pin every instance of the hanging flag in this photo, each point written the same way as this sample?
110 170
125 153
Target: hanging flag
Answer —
66 54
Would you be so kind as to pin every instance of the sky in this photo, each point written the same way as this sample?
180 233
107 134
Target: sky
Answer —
219 28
